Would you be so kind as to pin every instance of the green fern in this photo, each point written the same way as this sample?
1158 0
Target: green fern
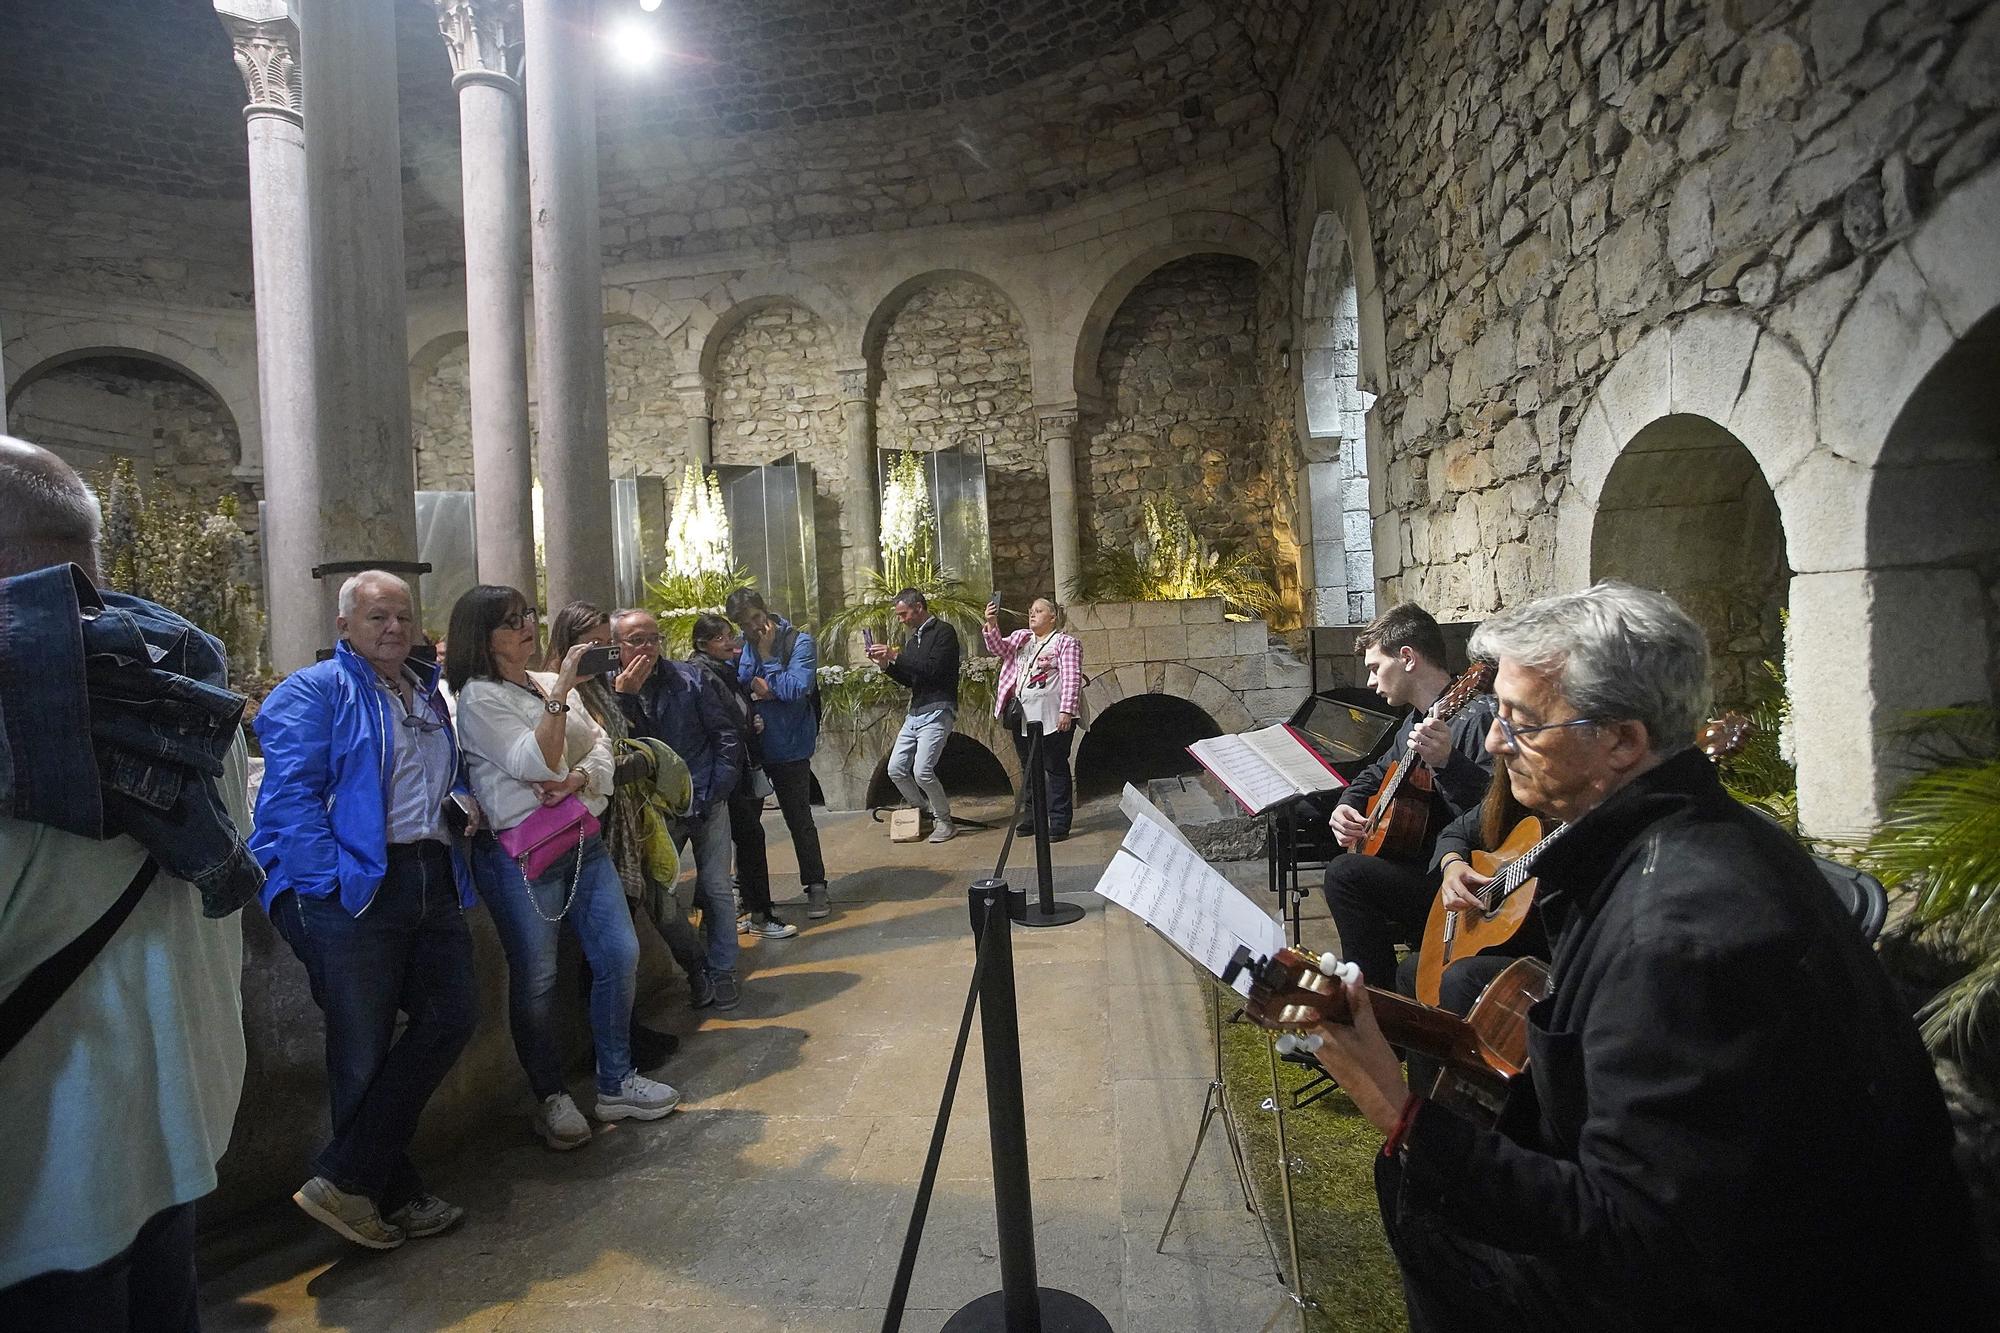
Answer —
1171 563
1940 844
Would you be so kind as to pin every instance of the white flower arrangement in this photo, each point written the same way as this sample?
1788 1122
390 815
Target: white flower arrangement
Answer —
698 531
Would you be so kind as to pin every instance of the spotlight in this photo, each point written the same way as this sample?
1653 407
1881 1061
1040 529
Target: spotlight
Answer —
649 5
633 44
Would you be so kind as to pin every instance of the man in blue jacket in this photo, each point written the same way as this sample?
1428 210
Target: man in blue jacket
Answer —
366 884
780 668
685 707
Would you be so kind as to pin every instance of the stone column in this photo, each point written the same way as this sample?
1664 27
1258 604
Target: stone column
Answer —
1058 430
862 504
575 455
700 425
361 361
266 43
483 38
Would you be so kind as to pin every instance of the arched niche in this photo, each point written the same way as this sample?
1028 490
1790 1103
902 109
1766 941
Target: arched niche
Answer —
1687 510
1139 738
1333 414
97 407
967 768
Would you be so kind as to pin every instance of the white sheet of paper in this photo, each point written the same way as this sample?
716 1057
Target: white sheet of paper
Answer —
1157 876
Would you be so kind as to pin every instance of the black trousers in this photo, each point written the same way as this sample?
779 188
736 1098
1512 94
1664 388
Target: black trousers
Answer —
149 1288
1452 1283
791 783
1055 771
1376 905
753 862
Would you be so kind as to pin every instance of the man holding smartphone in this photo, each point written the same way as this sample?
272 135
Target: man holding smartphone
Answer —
367 884
927 663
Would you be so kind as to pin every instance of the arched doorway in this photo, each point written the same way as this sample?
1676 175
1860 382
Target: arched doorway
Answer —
966 768
96 409
1335 412
1686 509
1934 538
1137 739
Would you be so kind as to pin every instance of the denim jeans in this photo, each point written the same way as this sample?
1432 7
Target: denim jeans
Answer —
408 951
791 783
528 931
914 760
711 883
147 1288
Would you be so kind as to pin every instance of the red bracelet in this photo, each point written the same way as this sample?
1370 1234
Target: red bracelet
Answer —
1401 1127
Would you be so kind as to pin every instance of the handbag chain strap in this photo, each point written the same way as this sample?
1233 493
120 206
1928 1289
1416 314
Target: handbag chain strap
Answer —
576 877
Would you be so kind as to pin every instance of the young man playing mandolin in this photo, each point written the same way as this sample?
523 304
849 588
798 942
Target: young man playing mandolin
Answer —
1439 768
1727 1119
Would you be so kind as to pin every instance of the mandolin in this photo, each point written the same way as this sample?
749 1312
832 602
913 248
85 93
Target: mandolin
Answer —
1450 935
1480 1054
1399 812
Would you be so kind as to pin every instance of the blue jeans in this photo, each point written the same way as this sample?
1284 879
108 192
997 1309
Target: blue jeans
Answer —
914 759
711 883
409 951
603 926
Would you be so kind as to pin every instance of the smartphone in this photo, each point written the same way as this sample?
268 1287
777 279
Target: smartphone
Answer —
867 637
994 601
457 812
597 661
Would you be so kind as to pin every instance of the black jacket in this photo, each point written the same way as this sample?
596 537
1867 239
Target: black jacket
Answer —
928 664
1729 1119
1459 785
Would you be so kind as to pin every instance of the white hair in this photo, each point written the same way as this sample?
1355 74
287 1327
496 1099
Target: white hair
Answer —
1619 653
48 515
350 591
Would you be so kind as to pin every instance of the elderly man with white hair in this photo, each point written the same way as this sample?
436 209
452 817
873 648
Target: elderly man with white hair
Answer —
368 885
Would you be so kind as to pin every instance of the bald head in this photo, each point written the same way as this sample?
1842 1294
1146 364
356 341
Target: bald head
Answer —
47 515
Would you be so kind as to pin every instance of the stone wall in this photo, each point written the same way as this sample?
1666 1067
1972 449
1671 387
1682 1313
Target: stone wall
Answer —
777 392
441 424
1548 181
1184 366
954 370
103 241
95 411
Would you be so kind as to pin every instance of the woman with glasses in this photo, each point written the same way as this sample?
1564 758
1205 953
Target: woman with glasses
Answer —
527 747
624 821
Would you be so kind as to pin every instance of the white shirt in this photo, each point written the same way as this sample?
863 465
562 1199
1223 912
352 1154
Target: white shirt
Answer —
118 1103
1040 703
496 733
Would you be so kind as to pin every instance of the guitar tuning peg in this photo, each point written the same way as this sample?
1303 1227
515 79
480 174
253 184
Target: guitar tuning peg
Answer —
1349 972
1292 1042
1329 963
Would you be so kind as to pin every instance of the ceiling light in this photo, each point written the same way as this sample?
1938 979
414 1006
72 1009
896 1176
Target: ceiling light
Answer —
649 5
633 44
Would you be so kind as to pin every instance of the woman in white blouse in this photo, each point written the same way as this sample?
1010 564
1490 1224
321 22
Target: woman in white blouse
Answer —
528 743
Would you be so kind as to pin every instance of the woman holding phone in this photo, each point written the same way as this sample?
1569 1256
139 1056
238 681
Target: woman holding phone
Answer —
531 748
1041 678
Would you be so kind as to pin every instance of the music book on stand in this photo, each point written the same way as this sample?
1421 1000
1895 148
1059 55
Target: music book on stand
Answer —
1267 767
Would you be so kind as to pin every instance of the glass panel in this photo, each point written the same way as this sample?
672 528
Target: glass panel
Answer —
771 531
626 572
445 539
956 481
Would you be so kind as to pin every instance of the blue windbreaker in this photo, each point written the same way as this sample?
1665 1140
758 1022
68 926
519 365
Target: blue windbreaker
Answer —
790 729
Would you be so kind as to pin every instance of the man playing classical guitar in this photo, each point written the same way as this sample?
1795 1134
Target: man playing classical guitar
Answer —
1727 1118
1378 901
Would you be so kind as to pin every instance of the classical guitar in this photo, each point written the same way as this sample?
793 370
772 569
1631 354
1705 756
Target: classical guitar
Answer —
1452 934
1480 1054
1400 810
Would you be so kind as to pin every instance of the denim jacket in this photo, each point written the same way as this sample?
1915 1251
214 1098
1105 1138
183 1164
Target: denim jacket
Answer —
115 718
323 809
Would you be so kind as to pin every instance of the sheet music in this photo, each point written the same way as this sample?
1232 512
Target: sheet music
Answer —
1158 877
1263 768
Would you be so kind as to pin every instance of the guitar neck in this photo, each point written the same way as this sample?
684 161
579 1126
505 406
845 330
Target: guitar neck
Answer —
1437 1033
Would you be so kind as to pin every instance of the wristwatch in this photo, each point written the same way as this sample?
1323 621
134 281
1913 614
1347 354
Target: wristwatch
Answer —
555 706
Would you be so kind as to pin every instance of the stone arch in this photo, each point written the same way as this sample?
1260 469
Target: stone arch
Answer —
851 758
1332 414
30 355
885 310
1113 275
1206 692
722 309
1686 510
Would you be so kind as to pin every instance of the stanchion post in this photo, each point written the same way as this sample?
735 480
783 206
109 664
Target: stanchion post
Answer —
1046 910
1021 1305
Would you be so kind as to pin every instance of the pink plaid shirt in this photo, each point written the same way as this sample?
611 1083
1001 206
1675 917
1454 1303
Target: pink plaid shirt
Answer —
1063 654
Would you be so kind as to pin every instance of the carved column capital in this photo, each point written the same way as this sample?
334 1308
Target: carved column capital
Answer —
264 38
854 384
483 38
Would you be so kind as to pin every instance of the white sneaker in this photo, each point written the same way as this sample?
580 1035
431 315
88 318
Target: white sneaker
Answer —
945 831
638 1098
560 1124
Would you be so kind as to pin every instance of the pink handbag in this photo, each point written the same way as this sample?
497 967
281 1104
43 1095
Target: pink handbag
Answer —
551 832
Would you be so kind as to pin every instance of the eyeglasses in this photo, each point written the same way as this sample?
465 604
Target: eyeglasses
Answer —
423 726
521 619
1513 734
640 641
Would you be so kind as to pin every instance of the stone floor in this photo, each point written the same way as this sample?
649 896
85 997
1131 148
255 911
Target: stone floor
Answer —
777 1197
